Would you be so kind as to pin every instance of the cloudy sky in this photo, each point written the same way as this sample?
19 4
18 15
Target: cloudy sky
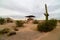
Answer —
18 9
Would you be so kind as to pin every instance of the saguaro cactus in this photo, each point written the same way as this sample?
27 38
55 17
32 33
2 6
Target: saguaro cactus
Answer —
46 13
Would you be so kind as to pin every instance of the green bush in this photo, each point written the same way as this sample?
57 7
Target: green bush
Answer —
2 21
47 26
35 22
19 23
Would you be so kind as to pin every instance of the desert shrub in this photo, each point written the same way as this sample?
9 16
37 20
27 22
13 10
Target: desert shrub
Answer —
9 20
58 20
11 33
35 22
4 31
47 26
2 21
53 22
15 29
19 23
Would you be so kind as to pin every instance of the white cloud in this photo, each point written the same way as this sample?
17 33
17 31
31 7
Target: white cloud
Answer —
27 7
8 12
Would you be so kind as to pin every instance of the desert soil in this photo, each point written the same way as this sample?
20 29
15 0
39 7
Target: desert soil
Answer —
29 33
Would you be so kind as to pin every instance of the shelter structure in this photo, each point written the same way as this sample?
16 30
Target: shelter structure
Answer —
30 18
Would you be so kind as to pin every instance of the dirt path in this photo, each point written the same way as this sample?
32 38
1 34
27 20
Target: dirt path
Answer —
26 33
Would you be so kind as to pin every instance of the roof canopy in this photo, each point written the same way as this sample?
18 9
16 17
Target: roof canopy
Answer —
30 16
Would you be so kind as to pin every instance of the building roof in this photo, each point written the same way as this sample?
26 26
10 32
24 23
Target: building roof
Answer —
30 16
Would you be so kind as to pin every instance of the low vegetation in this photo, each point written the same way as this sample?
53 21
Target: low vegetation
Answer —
9 20
4 31
11 33
19 23
15 29
7 31
47 25
35 22
2 21
59 21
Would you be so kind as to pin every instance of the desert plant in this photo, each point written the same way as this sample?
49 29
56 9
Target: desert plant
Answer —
15 29
9 20
47 26
2 21
19 23
11 33
58 20
35 22
53 22
4 31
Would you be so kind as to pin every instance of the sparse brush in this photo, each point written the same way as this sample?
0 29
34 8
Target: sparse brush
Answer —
2 21
19 23
9 20
11 33
35 22
59 20
16 29
47 26
4 31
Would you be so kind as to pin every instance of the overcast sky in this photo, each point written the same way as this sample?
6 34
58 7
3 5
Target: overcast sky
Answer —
20 8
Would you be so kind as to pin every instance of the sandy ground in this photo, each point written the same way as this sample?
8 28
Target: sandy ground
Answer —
28 33
53 35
